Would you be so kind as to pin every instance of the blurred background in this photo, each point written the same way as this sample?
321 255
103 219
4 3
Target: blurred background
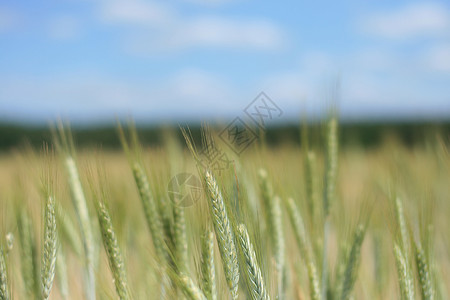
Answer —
386 65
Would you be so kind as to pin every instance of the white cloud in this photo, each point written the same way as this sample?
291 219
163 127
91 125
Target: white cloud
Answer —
197 84
304 87
65 28
135 12
373 82
158 27
286 85
415 20
373 60
222 32
438 58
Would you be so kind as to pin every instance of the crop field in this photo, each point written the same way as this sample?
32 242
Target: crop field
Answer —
199 219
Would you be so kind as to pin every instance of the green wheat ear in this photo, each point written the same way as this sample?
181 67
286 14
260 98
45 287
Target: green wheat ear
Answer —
152 216
112 249
405 279
352 263
82 211
254 277
331 164
400 216
50 248
330 177
4 290
423 270
224 234
401 253
189 288
208 269
180 238
29 260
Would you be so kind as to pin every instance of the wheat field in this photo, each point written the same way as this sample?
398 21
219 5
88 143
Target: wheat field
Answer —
279 222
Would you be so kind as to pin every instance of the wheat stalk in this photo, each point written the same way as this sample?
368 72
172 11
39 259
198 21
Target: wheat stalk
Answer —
61 272
305 248
279 243
50 248
69 231
311 183
224 234
208 269
275 225
112 249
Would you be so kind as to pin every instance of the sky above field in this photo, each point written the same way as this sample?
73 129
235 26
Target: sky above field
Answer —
91 61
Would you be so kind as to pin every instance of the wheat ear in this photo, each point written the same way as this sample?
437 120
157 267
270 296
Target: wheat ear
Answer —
68 230
112 249
29 260
331 164
254 277
152 216
352 263
208 269
50 248
81 208
180 239
224 234
189 288
400 216
404 276
423 270
4 289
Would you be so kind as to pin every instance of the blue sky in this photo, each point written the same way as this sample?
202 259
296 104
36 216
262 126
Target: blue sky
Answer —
90 61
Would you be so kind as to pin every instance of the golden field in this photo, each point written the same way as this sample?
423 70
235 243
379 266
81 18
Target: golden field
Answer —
368 182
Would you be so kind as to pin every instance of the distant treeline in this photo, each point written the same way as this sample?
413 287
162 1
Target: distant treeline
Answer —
362 134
